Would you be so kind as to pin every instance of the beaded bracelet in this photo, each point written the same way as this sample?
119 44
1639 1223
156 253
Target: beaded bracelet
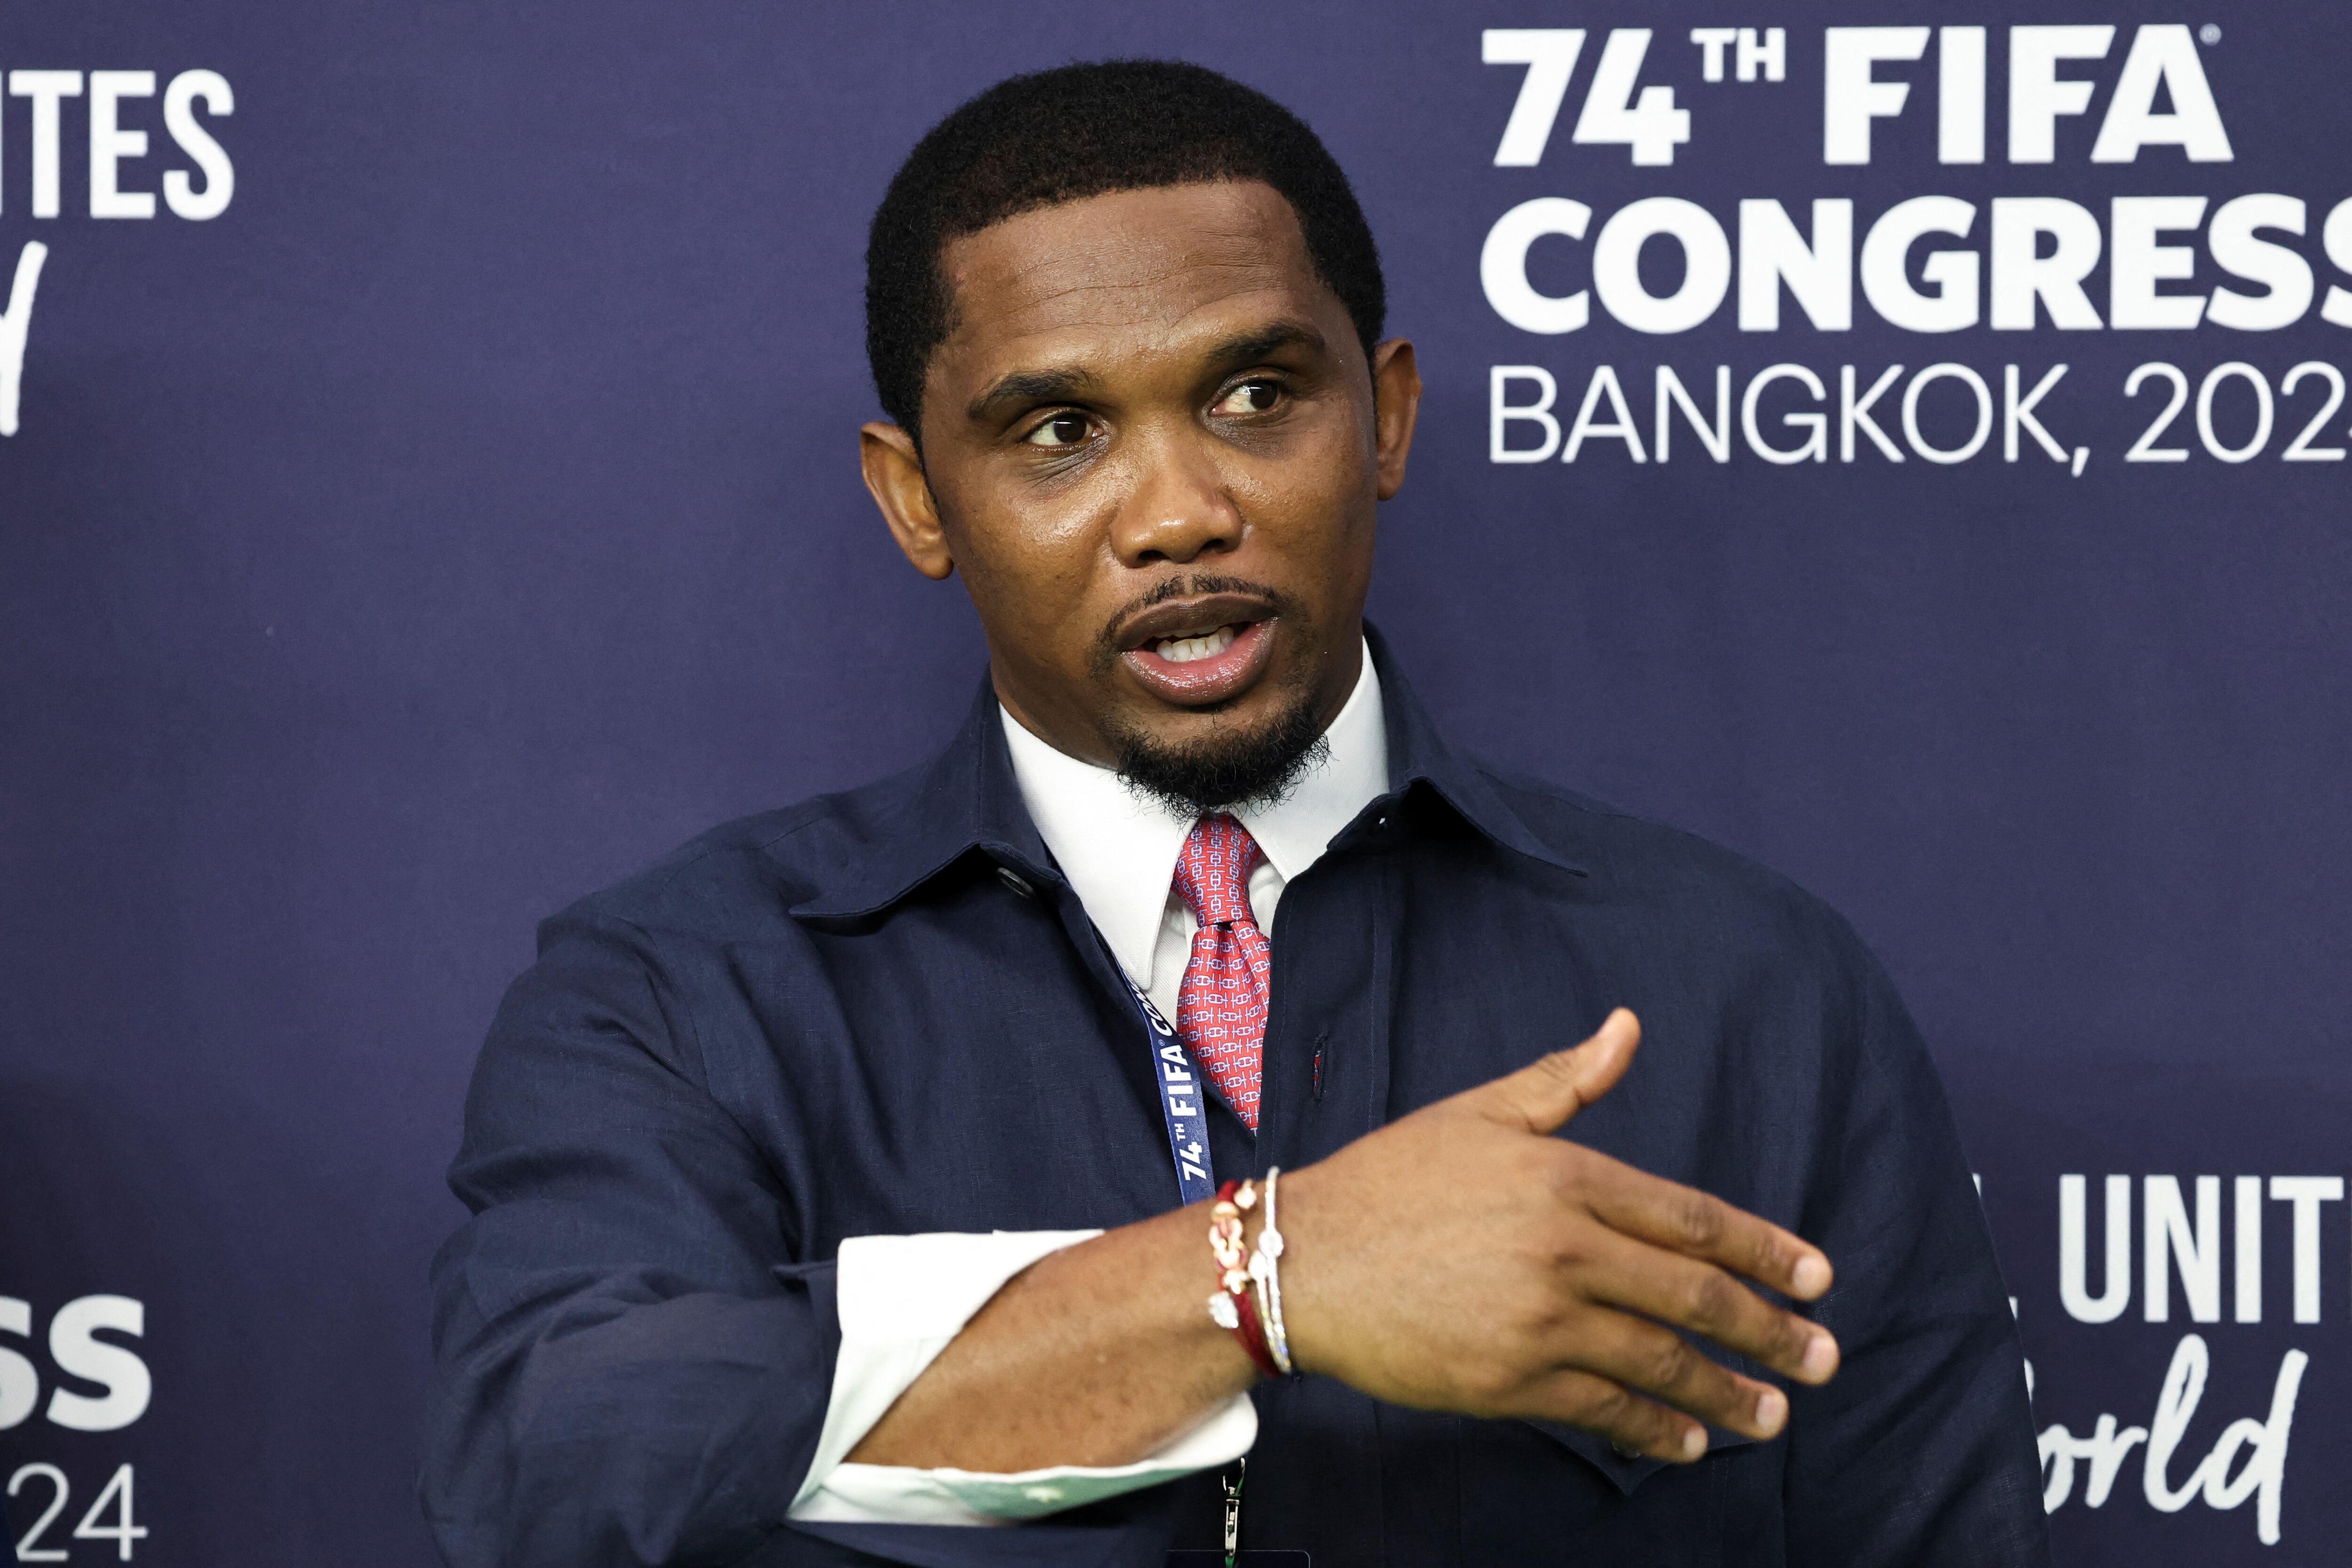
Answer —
1265 1270
1232 1306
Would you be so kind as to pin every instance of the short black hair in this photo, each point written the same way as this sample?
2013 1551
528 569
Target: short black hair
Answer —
1079 130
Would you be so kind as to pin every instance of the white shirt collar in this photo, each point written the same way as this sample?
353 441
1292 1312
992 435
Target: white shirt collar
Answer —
1119 848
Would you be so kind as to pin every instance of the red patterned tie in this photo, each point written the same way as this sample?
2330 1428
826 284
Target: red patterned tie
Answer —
1221 1010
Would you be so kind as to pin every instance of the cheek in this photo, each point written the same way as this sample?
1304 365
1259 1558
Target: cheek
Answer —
1034 560
1317 499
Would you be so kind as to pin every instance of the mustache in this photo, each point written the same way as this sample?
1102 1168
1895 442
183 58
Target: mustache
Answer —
1191 585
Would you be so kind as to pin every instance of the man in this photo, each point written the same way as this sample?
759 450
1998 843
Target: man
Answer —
829 1179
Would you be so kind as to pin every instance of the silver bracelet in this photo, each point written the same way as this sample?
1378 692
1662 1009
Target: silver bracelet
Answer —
1265 1270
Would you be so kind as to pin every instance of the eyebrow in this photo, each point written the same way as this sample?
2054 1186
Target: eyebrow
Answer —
1030 386
1265 343
1073 385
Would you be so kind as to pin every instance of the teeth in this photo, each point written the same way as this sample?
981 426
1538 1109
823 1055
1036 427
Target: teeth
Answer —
1186 650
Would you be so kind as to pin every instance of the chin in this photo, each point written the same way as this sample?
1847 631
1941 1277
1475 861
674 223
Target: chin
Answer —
1226 757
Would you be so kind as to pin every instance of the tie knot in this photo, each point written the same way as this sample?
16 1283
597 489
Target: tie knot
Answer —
1212 874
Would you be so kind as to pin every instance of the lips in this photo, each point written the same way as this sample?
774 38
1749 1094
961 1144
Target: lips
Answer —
1199 652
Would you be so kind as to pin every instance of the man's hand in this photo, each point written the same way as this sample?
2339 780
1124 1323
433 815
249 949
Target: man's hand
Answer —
1463 1258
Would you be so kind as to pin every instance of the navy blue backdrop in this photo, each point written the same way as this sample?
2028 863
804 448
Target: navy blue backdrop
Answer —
438 497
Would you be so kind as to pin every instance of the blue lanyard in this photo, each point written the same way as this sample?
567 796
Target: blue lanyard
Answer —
1180 1101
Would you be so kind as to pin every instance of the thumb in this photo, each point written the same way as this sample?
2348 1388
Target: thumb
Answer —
1546 1093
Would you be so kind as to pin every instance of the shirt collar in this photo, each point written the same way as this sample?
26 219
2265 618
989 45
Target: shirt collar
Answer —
900 832
1420 758
1118 849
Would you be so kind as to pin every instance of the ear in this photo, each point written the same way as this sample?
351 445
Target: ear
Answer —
1396 404
894 477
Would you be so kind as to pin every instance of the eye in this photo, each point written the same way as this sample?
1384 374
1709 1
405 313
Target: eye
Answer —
1062 430
1251 397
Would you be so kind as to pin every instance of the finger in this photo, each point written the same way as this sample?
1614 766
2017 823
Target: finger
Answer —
1651 1360
1700 1225
1686 1293
1629 1421
1542 1096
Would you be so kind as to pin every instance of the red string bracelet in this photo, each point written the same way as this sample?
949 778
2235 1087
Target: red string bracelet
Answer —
1233 1306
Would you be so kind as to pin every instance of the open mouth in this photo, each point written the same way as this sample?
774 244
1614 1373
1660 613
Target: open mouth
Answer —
1200 645
1200 652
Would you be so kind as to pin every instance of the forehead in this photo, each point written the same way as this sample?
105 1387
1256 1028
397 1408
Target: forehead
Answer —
1131 274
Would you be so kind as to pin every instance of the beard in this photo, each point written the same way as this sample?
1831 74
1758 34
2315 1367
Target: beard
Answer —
1226 768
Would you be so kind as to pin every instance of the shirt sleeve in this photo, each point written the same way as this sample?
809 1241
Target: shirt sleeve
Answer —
1920 1453
634 1359
630 1359
901 1299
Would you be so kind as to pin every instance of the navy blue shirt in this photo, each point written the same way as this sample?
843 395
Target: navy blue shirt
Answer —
846 1018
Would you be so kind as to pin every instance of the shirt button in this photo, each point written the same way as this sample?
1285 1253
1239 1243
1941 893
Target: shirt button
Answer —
1015 880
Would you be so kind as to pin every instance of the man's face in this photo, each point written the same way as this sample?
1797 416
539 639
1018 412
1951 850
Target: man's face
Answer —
1152 446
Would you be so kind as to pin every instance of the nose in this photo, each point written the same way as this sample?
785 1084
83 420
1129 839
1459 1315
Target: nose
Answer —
1180 507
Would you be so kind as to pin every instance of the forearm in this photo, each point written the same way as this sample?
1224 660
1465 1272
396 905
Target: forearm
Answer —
1094 1356
1538 1279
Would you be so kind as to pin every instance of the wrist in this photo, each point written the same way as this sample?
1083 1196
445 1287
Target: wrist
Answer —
1244 1303
1298 1264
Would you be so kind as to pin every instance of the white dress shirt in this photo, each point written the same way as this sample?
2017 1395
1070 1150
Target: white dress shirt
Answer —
903 1297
